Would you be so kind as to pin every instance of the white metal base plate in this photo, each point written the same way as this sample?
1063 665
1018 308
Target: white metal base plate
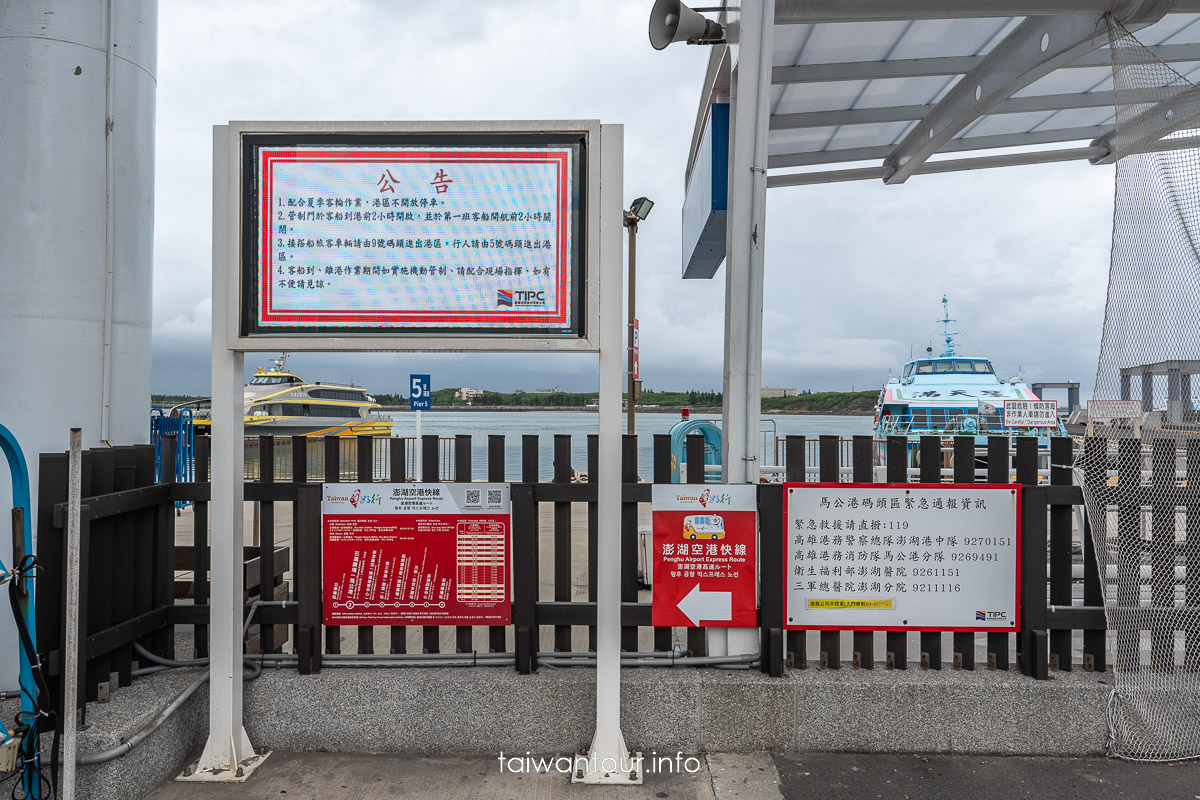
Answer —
624 771
245 768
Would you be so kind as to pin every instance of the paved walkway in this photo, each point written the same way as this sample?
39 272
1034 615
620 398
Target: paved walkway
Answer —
731 776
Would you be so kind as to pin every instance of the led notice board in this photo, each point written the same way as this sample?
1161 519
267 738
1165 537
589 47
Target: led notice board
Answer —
402 231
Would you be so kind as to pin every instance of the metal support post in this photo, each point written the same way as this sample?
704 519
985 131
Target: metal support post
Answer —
631 224
70 659
609 760
228 755
746 235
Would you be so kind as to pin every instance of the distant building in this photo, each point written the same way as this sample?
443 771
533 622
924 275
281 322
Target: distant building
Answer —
778 391
468 395
555 390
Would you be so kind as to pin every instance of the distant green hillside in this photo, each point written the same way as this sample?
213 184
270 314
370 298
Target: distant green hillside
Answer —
824 403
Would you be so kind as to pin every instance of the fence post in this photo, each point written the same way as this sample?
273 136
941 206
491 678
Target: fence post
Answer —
308 576
333 474
1162 550
860 457
793 456
266 540
495 468
201 555
771 579
697 638
931 472
462 474
997 466
829 456
397 473
662 474
525 572
1034 642
896 471
1062 452
366 474
629 533
1191 646
964 472
49 610
430 473
562 538
156 535
593 529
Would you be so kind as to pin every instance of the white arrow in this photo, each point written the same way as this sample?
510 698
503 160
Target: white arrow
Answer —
713 606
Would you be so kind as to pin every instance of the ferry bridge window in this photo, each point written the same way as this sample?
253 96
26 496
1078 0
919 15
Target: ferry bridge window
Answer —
338 394
963 366
269 380
983 367
925 368
908 370
945 366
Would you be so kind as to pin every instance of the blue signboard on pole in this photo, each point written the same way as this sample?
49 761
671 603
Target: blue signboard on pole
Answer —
419 393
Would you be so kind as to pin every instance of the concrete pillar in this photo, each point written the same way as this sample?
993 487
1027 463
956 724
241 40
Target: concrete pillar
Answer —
1174 402
1073 398
1126 389
77 94
1147 391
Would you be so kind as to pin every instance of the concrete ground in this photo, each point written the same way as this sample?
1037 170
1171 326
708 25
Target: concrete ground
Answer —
761 776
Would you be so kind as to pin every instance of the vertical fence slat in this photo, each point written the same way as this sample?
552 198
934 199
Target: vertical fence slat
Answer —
830 458
397 473
697 638
997 466
771 581
562 538
1033 639
1191 642
860 459
99 565
306 538
531 474
366 474
796 643
1129 545
593 530
462 474
629 532
430 473
333 474
931 472
304 639
1162 549
525 565
662 474
156 534
201 555
1061 455
495 474
51 551
266 539
124 541
896 471
964 472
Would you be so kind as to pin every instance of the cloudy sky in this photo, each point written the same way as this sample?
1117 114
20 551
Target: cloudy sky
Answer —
854 275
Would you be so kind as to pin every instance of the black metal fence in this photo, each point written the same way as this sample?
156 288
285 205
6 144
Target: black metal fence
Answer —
140 584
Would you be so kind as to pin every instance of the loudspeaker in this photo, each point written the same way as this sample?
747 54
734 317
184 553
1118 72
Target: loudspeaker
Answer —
672 21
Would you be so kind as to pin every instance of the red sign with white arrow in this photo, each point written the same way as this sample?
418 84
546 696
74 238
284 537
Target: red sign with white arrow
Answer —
705 552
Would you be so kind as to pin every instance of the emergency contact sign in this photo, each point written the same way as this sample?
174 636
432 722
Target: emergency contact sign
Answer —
934 557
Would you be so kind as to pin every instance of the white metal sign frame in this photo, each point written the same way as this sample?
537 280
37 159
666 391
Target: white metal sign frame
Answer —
228 754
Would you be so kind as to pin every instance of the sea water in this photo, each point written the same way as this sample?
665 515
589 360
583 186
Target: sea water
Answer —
579 424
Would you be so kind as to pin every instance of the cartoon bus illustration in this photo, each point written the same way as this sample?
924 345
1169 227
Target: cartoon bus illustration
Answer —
703 526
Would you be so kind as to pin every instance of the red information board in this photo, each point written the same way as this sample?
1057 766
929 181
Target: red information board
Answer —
705 556
416 554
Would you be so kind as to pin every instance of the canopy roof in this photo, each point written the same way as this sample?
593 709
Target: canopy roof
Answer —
892 88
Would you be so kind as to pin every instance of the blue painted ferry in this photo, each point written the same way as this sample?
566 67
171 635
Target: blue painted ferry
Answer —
951 395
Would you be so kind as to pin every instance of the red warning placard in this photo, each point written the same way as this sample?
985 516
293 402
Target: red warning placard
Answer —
705 552
416 554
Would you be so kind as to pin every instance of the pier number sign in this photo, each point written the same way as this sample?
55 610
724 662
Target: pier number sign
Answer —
416 553
1031 413
420 393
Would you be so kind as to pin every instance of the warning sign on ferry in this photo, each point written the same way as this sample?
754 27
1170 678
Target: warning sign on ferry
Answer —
1031 413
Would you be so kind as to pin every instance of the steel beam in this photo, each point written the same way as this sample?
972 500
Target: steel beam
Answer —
936 167
885 114
1177 113
949 65
796 12
1036 47
964 144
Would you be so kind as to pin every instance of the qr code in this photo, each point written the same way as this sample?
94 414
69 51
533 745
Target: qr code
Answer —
473 496
494 497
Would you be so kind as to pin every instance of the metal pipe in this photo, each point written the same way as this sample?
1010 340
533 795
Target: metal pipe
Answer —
133 741
71 645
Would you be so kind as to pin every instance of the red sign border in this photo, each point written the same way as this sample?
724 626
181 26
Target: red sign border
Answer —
268 317
1013 487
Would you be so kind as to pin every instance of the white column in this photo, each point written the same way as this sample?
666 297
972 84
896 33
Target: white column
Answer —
227 744
746 240
608 758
